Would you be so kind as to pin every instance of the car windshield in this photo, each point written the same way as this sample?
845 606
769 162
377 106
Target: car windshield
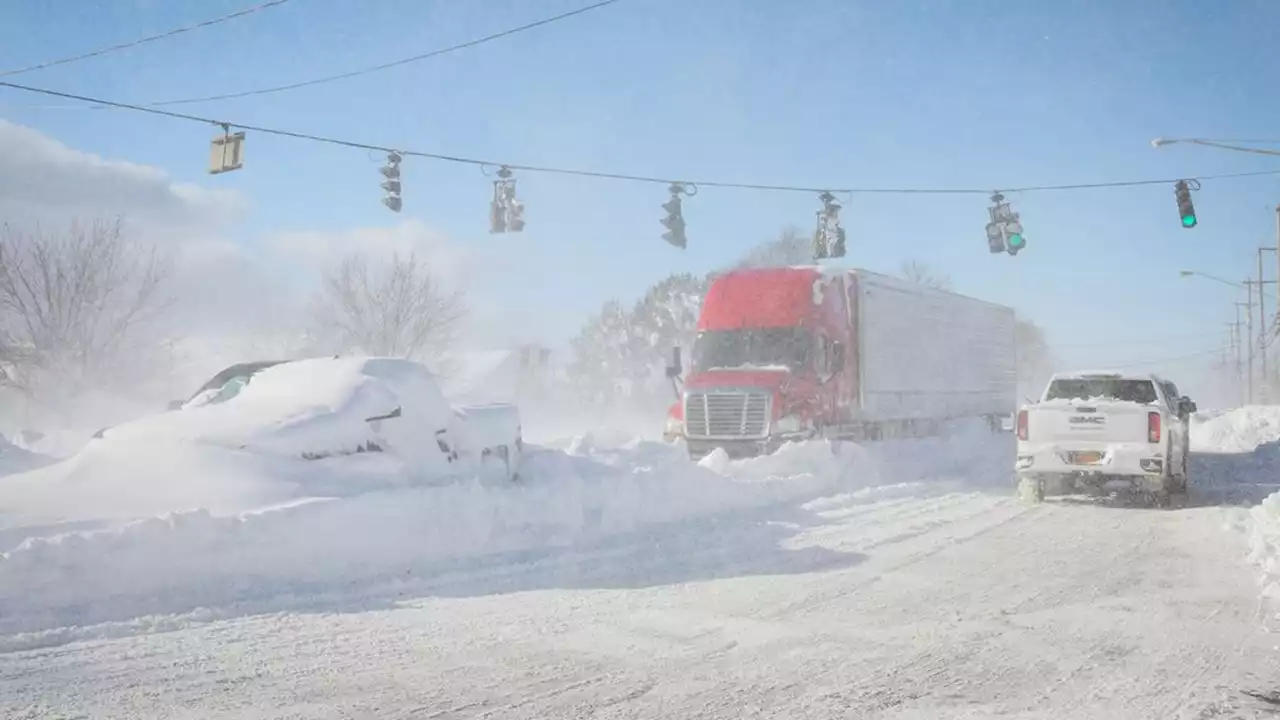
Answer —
227 383
788 347
1138 391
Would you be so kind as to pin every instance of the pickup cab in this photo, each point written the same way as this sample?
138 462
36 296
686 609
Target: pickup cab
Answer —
1104 432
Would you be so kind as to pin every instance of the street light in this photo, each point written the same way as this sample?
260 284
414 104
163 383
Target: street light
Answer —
1215 278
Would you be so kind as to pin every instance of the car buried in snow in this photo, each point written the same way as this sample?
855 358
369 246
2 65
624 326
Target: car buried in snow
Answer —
1104 432
334 406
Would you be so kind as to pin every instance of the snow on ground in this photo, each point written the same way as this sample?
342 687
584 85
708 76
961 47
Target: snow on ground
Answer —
387 540
888 580
894 580
1240 430
1249 437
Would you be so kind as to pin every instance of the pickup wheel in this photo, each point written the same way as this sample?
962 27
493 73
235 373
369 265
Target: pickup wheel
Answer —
1031 489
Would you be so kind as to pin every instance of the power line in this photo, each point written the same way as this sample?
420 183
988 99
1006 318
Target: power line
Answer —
1153 341
394 63
366 70
149 39
1178 358
226 124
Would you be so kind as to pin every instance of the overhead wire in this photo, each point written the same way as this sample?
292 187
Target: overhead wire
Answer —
654 179
1178 358
359 71
388 65
267 4
1153 341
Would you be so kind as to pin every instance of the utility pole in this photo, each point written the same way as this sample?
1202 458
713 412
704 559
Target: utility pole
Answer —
1265 384
1247 306
1237 374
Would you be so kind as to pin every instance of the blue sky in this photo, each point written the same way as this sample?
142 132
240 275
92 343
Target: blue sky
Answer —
811 92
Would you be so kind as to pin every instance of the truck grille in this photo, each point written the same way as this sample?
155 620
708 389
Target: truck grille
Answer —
736 414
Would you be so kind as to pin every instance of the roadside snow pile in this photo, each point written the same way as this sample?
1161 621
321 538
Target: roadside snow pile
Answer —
1264 549
1240 430
360 545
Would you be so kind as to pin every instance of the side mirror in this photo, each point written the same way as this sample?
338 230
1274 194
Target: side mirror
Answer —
675 369
837 358
1187 405
176 404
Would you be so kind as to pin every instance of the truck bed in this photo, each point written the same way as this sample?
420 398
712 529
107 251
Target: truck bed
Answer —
926 353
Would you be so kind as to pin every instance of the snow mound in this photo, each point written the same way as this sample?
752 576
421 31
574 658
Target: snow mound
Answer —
1240 430
1264 549
288 554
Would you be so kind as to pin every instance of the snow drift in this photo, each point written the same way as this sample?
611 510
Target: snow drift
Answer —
1251 430
1235 431
308 548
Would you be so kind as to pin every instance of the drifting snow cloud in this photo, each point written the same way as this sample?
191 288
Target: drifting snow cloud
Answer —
42 180
317 249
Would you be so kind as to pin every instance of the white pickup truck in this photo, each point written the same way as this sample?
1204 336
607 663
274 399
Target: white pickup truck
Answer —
1103 432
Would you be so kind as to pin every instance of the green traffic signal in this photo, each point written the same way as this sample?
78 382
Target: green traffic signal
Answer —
1188 221
1016 241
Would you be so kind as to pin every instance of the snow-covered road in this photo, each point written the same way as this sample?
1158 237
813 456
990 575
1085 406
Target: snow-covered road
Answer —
930 592
904 601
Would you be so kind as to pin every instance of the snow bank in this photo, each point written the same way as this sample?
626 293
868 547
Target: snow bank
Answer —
1240 430
182 561
1264 550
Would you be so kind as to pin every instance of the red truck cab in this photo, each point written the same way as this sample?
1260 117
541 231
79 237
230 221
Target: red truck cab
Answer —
770 363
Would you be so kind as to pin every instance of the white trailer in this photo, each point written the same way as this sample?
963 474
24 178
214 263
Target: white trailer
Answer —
929 354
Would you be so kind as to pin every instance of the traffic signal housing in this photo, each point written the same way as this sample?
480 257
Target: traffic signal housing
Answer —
1014 240
1004 232
1186 208
674 221
391 171
995 238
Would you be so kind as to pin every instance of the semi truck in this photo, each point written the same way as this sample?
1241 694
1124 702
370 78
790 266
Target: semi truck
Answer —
793 353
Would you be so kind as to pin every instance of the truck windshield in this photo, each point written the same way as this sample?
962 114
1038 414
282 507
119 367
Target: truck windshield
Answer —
752 346
1138 391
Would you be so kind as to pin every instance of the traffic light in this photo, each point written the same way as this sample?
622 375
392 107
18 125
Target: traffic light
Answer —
506 213
1013 237
1004 232
995 238
674 221
391 171
837 248
1186 209
829 236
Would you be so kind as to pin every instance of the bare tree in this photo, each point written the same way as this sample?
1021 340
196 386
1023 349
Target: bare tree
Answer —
396 308
791 247
76 306
921 274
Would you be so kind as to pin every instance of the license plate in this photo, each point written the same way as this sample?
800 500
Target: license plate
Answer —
1086 458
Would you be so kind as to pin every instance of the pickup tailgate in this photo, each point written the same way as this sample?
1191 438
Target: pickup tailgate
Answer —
1088 423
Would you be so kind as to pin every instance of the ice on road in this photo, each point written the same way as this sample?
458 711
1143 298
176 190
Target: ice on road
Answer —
920 588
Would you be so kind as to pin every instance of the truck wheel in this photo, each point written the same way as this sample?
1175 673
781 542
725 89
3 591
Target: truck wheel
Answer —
1031 489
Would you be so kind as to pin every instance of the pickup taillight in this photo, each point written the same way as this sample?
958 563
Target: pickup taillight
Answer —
1023 429
1153 427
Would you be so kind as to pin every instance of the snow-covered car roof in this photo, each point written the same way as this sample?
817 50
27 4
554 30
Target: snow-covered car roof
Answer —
1117 374
313 406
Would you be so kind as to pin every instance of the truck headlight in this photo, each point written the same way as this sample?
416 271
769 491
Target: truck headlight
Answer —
788 425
